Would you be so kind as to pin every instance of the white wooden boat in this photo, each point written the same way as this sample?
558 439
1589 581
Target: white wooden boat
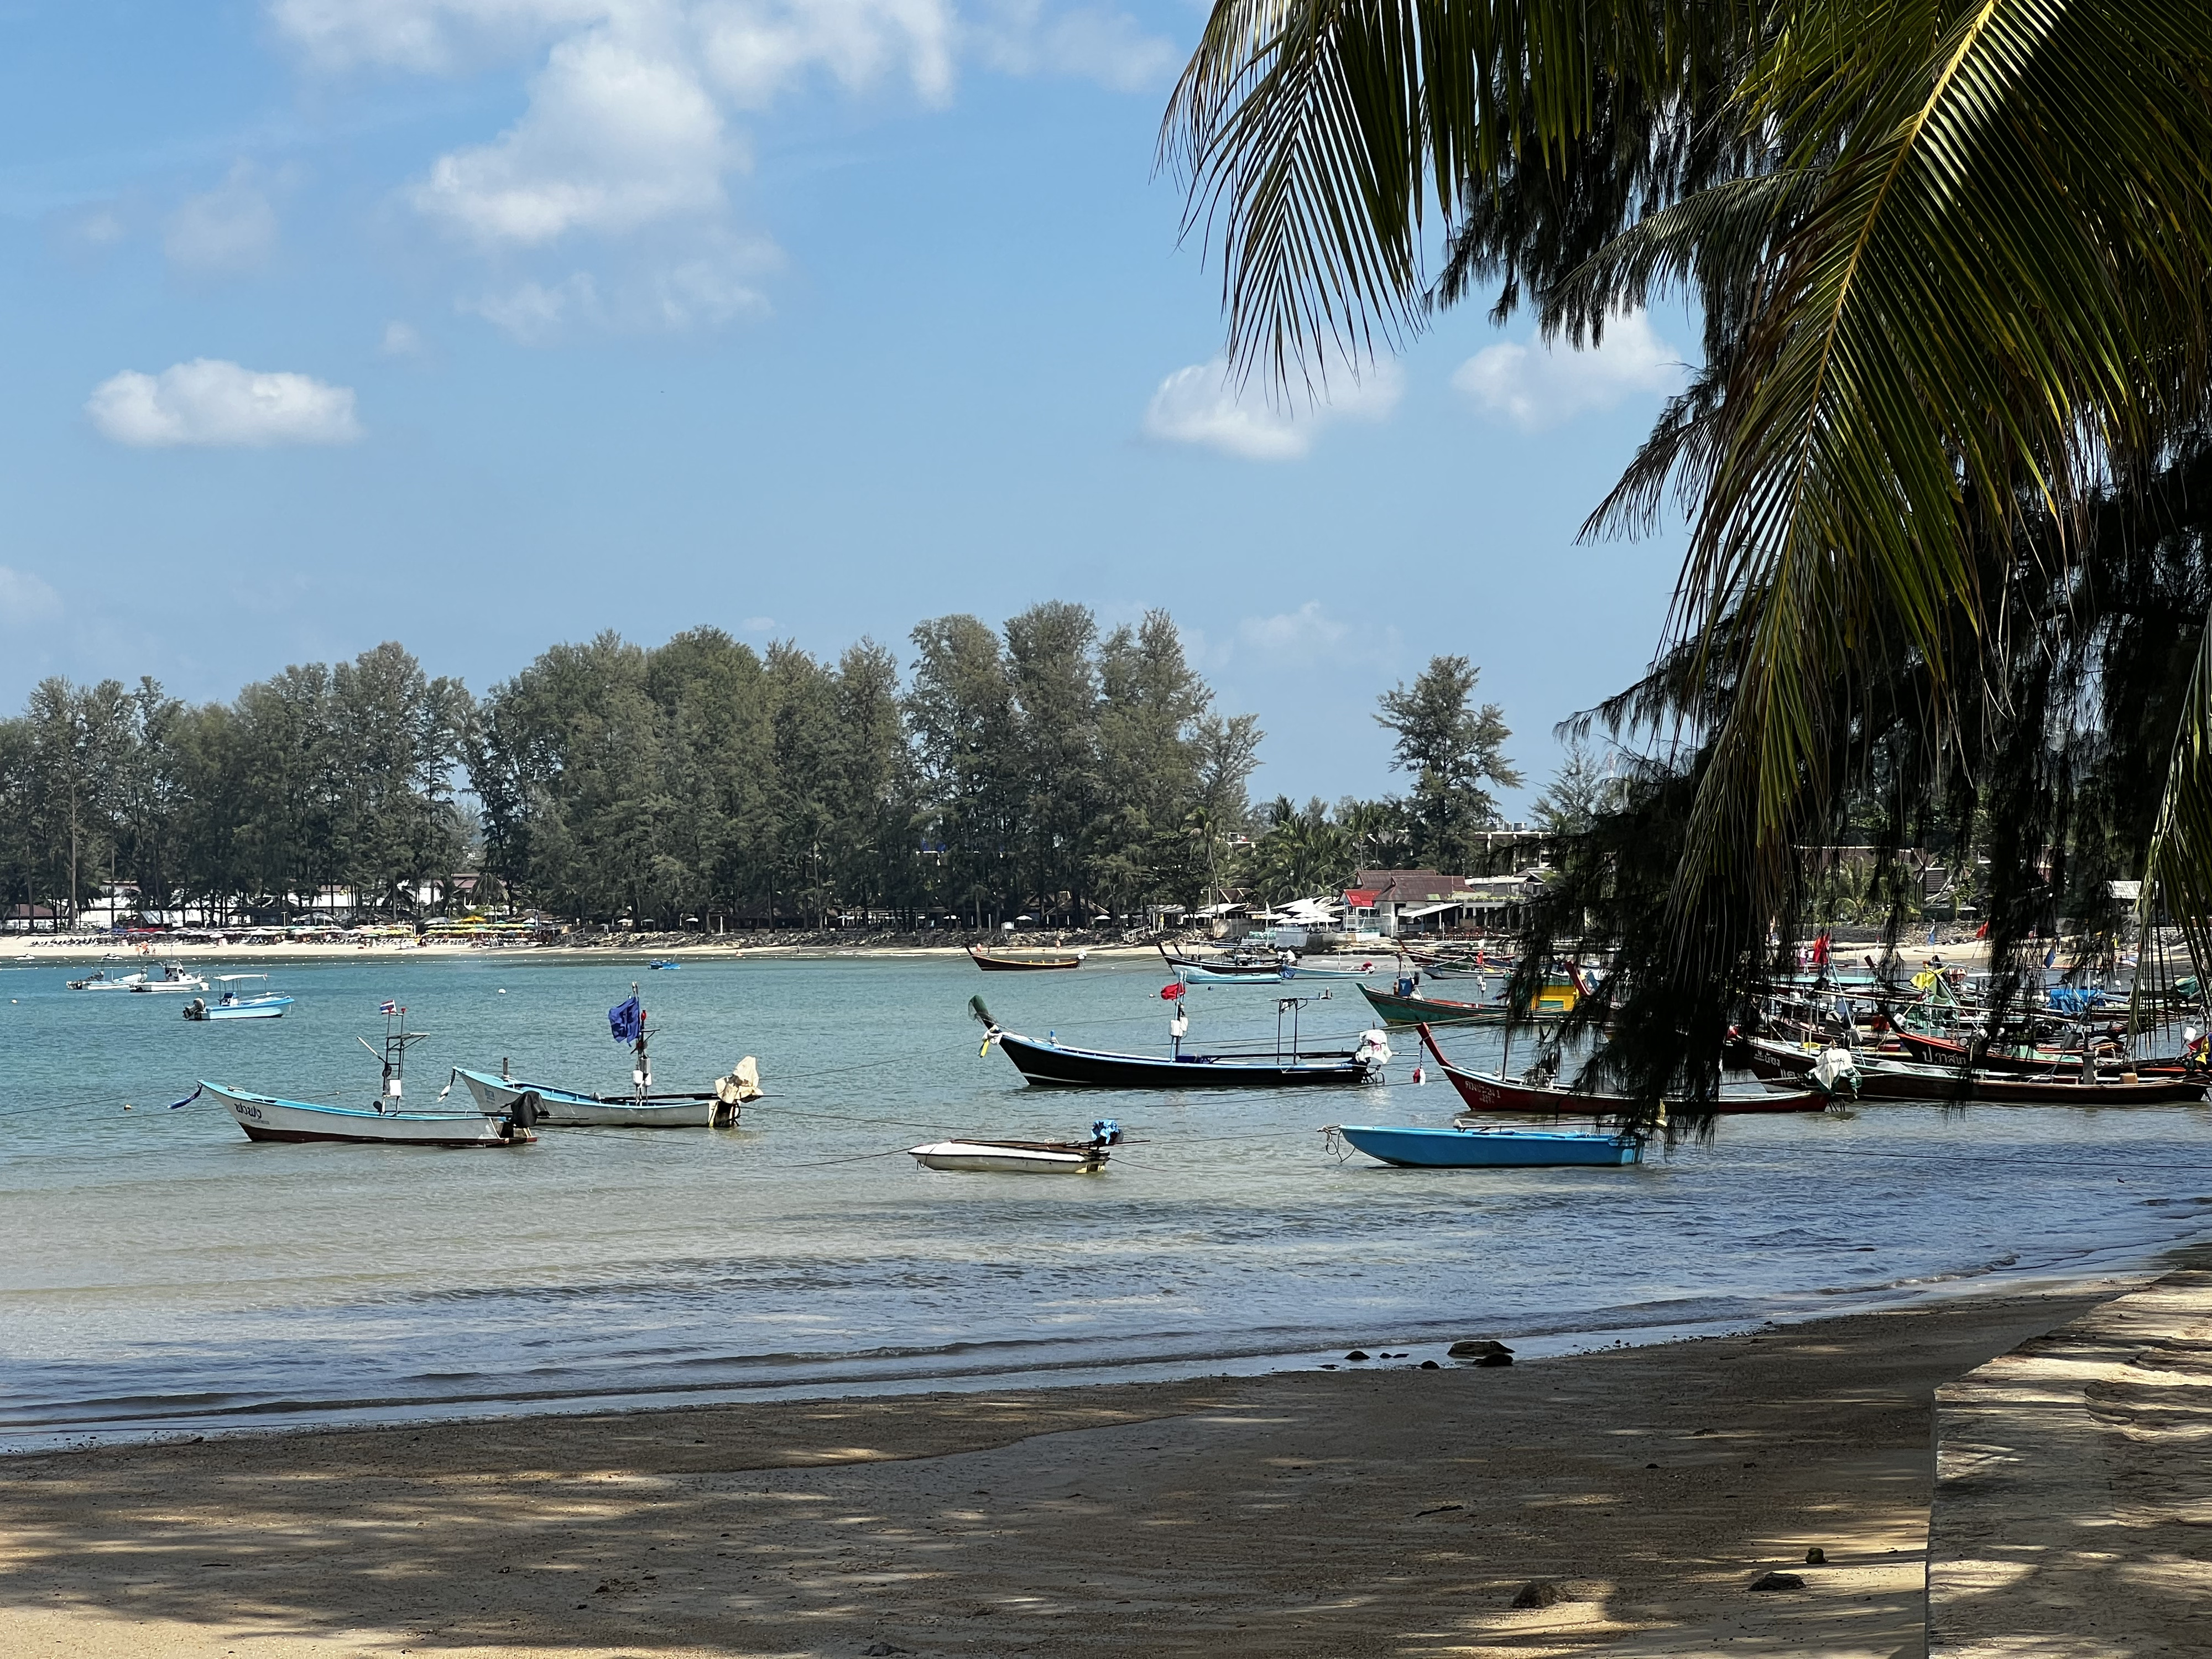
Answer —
263 1117
1024 1157
231 1006
99 981
173 978
719 1108
385 1122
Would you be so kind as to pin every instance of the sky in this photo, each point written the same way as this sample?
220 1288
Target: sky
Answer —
482 325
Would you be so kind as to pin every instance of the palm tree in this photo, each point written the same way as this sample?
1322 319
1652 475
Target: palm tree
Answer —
1953 261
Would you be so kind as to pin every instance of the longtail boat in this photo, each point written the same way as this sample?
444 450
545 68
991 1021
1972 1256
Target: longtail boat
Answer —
1024 961
1489 1147
1052 1062
1396 1010
2042 1062
1490 1091
718 1108
1224 969
1879 1079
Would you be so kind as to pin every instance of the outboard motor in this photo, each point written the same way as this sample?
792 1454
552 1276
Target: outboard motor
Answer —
526 1110
1105 1132
1374 1050
195 1009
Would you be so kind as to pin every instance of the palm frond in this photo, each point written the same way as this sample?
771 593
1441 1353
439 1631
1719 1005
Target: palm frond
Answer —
1319 135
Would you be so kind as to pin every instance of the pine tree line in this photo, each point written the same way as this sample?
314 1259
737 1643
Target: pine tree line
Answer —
1047 769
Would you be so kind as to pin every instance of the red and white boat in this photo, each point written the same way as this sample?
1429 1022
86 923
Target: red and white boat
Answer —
1491 1091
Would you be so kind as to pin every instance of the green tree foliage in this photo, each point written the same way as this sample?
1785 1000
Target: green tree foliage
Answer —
1452 748
1043 770
318 776
1583 787
1069 775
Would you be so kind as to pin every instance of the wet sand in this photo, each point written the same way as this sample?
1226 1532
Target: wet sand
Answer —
1374 1510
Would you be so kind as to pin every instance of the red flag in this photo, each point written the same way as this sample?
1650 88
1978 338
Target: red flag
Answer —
1169 993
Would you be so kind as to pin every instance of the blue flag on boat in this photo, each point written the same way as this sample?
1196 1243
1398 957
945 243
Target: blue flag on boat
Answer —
627 1021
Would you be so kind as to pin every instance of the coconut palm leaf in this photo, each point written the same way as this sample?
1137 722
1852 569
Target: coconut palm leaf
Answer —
1322 134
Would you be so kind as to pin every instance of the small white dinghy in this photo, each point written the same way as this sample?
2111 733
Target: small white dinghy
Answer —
265 1117
1024 1157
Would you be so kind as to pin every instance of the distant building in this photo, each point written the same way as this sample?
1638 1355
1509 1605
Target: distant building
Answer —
30 919
1393 902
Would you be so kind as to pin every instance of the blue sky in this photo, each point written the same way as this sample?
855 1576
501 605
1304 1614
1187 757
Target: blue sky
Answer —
482 324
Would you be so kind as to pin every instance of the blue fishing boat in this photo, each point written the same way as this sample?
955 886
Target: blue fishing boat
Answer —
1488 1148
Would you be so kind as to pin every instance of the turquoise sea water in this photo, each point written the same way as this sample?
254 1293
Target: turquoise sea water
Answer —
161 1275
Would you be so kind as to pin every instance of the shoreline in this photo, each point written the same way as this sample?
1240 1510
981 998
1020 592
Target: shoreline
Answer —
2115 1272
1376 1509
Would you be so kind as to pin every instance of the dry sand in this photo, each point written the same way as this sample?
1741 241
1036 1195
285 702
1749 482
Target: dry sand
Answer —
1374 1510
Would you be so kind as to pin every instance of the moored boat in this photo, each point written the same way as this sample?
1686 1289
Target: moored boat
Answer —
717 1107
264 1117
231 1006
1396 1009
1052 1062
1874 1078
384 1122
173 978
1493 1091
1024 961
976 1155
1489 1147
99 981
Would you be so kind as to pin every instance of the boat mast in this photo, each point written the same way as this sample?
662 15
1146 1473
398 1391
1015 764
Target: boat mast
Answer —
640 1071
394 1058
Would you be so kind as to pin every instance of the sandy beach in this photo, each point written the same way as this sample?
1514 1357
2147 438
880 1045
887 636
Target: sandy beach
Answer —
1377 1508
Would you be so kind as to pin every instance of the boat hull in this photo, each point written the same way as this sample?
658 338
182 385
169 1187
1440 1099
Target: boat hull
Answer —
1485 1092
1010 1157
1395 1009
564 1109
263 1117
1048 1063
272 1008
1878 1081
1491 1149
1044 964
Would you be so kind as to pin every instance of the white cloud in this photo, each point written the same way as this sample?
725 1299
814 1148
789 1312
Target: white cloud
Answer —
401 340
615 136
534 314
755 49
1204 404
24 600
1307 628
1019 37
430 36
635 121
228 231
1536 385
212 403
760 625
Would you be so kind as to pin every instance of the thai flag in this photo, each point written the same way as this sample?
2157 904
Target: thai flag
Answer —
389 1008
